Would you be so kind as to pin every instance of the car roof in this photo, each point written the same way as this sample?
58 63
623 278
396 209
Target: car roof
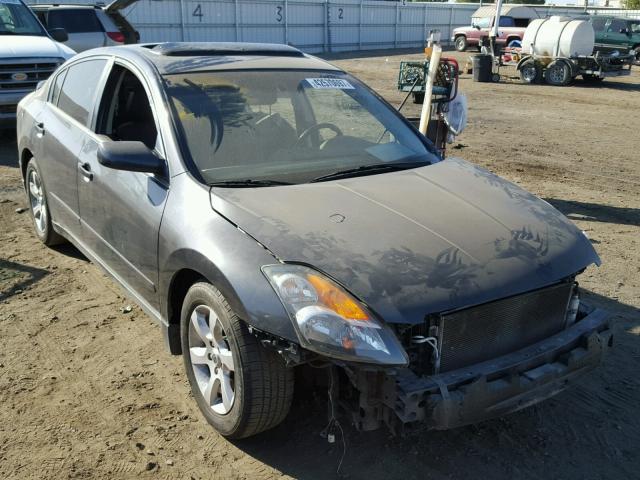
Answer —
182 57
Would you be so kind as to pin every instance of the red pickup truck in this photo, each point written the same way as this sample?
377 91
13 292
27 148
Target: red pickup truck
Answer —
513 23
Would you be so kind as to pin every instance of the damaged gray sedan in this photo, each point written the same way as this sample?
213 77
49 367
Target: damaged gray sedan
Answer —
272 213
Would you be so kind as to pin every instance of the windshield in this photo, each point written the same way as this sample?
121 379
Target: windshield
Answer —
16 19
481 22
287 126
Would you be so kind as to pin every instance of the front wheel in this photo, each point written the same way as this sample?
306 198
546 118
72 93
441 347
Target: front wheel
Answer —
461 43
240 386
558 73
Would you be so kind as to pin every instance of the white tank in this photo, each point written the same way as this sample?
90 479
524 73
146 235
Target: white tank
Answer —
558 37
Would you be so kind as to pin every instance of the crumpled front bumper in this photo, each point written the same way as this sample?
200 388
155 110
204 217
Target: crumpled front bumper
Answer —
503 385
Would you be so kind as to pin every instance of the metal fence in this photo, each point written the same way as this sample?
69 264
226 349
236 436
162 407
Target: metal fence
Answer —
311 25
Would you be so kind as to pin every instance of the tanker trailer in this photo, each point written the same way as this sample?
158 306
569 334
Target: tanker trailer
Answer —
558 49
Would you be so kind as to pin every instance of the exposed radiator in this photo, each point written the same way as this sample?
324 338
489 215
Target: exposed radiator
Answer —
497 328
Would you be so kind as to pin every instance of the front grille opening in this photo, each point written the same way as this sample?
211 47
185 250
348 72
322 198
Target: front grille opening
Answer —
32 73
477 334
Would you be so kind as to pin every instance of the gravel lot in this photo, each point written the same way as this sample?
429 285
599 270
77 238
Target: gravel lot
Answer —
87 391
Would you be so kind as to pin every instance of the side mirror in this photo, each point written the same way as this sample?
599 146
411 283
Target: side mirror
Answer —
130 156
59 34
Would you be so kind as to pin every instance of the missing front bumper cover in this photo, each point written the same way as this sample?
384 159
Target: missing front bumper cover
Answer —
499 386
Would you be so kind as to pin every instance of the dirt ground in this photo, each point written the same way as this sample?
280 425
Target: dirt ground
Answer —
87 391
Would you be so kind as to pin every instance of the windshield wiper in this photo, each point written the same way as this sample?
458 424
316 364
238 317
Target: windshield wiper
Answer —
248 183
374 168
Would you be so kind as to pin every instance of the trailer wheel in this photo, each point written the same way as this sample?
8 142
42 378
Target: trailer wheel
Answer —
558 73
418 97
530 72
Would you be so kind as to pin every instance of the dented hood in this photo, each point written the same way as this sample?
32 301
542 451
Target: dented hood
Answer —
415 242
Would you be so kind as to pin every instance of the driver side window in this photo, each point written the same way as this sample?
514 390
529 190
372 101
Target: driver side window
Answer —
335 107
125 111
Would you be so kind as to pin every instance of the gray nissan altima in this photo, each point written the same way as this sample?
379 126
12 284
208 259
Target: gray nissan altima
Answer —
274 214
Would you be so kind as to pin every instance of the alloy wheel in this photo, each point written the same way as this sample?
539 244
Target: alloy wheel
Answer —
37 201
211 359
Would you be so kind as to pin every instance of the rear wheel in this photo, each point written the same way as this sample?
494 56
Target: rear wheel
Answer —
461 43
530 72
39 206
241 387
558 73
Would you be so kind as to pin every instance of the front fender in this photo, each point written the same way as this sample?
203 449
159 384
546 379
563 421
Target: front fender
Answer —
195 237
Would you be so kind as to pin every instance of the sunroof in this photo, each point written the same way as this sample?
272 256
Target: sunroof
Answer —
199 49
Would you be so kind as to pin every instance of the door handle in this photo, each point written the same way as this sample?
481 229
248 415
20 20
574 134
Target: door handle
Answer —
85 170
39 128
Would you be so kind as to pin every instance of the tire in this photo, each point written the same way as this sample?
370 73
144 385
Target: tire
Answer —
418 97
530 72
558 73
39 206
461 43
250 387
637 50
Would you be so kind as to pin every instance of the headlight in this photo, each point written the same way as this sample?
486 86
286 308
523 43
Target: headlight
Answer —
330 321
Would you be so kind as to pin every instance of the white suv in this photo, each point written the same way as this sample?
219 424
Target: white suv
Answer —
89 26
28 55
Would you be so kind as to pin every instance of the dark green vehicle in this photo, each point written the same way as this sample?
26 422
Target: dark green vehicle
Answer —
613 33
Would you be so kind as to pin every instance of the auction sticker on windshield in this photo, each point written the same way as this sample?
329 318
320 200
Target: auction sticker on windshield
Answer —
330 83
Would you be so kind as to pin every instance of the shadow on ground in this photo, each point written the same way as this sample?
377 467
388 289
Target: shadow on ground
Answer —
562 433
8 148
19 276
596 212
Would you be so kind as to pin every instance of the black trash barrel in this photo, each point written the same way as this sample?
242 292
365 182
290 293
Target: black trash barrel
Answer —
482 68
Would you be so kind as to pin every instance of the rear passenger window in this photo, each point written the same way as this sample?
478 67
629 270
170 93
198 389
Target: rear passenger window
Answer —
79 89
507 22
598 24
74 21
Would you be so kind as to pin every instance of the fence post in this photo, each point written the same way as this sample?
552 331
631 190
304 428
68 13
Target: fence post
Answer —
286 22
235 17
326 26
395 33
424 26
450 24
182 20
360 27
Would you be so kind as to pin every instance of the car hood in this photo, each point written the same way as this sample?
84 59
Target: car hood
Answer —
415 242
32 46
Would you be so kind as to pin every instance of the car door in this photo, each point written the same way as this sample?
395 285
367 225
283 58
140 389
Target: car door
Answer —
120 210
82 25
61 128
